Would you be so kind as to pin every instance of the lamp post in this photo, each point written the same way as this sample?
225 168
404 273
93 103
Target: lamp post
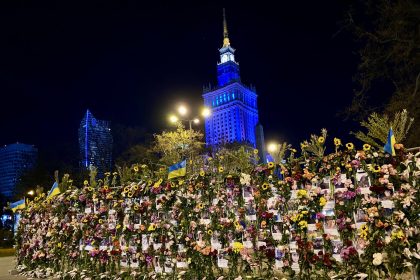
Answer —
274 149
183 111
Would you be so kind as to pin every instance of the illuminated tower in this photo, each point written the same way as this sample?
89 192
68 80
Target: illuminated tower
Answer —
234 105
95 143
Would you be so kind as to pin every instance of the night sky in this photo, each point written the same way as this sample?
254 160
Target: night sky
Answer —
131 64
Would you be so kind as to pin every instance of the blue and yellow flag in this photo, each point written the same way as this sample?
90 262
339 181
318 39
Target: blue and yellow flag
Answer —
54 191
178 169
389 146
17 205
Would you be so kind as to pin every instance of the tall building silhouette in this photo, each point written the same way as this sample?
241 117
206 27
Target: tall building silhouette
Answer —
233 104
95 143
15 159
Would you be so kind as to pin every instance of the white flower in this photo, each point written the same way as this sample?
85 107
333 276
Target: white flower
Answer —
245 179
361 275
407 253
377 259
387 240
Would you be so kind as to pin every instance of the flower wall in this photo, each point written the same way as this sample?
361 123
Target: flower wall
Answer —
348 214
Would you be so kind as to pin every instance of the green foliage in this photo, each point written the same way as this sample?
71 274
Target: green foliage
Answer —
378 126
237 161
173 146
315 145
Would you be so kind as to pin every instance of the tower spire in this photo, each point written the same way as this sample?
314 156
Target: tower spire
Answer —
226 42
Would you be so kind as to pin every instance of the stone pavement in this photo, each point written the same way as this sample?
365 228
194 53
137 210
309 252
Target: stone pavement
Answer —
6 264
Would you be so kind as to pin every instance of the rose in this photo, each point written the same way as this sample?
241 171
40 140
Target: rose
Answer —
377 258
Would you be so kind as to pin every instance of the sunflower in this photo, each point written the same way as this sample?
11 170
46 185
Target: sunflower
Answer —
350 146
265 186
118 226
221 169
106 188
130 194
136 207
136 187
366 147
200 206
210 159
303 146
136 168
85 182
180 182
237 224
255 151
376 168
202 173
209 232
337 142
152 227
321 140
100 221
270 165
90 189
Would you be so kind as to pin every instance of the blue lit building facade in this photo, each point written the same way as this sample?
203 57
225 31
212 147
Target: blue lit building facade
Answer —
233 105
95 143
15 160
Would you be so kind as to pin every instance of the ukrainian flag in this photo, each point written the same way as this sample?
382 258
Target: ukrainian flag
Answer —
17 205
54 191
389 146
178 169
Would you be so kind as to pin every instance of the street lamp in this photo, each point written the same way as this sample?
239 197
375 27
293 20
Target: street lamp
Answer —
274 149
183 111
31 192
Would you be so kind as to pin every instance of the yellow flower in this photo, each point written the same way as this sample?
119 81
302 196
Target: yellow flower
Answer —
263 224
107 174
130 194
90 189
209 232
118 226
301 193
255 151
144 166
126 189
180 182
303 224
157 184
136 187
59 245
321 140
210 159
366 147
152 227
376 169
221 157
397 234
337 142
221 169
236 224
322 201
270 165
265 186
200 206
202 173
85 182
136 168
350 146
237 247
303 146
136 207
293 150
100 221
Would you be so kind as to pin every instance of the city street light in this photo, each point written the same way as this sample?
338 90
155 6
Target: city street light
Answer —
274 149
31 192
183 111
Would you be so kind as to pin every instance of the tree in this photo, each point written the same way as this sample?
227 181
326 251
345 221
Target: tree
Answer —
173 146
378 128
388 74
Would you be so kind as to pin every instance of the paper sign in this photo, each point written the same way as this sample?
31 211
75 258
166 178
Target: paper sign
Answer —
248 244
88 210
251 217
279 264
389 204
181 265
277 235
222 263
